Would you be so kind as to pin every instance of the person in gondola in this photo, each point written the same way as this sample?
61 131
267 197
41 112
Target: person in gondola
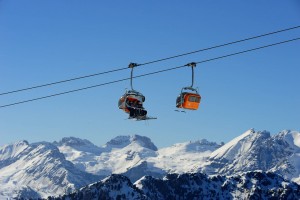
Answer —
141 111
137 110
131 109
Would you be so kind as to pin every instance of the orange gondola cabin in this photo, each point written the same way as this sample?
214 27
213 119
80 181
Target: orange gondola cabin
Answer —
187 100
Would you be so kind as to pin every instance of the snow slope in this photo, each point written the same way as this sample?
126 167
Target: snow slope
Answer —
38 170
116 156
257 150
136 156
183 157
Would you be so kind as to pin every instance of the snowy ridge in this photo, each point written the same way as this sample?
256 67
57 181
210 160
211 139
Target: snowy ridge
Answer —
79 144
257 150
236 146
42 169
38 170
10 153
123 141
249 185
291 137
182 157
116 156
112 187
136 156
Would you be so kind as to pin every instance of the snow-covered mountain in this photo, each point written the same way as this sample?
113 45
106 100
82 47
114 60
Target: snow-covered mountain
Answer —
38 170
42 169
112 187
249 185
134 156
258 150
181 157
79 145
116 156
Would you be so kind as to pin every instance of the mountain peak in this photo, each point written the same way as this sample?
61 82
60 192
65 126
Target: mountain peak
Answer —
21 143
113 187
118 142
73 141
143 141
232 148
291 137
123 141
78 144
13 150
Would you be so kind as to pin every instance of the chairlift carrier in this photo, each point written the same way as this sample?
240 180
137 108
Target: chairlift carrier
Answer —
132 101
189 98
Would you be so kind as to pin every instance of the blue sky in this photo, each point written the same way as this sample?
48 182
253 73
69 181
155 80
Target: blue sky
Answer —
46 41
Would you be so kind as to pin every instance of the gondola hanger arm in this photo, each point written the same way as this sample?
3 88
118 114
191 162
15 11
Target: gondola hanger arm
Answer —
192 65
132 65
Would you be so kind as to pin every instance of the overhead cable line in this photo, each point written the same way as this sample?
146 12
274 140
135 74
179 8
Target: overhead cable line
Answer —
63 81
147 74
221 45
254 49
147 63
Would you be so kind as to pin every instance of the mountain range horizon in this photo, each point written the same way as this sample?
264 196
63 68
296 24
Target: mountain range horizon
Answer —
72 163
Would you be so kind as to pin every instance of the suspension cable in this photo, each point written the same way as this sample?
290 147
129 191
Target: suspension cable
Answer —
150 62
156 72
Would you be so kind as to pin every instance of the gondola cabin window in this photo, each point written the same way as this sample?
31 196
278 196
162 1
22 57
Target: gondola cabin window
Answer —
194 99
